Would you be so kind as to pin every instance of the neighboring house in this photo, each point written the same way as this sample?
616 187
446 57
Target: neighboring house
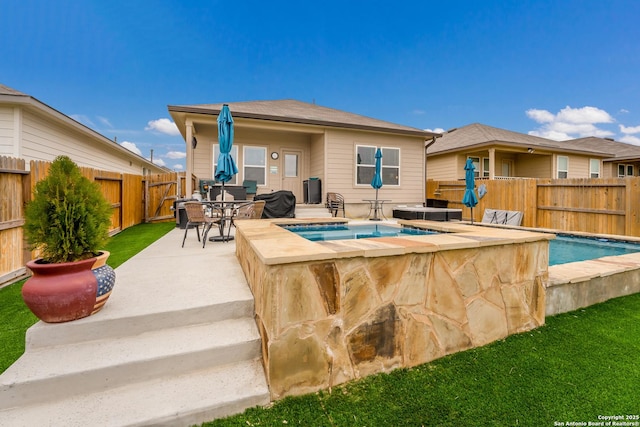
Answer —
31 130
280 144
503 154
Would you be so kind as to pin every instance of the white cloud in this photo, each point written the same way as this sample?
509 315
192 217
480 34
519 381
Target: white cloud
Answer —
540 116
82 119
630 129
165 126
158 161
176 155
436 130
630 139
570 123
178 167
623 111
105 121
583 115
131 147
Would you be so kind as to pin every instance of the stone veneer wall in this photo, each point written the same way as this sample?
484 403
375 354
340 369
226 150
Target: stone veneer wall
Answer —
327 322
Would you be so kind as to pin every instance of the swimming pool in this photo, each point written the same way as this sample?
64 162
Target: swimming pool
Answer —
322 232
564 249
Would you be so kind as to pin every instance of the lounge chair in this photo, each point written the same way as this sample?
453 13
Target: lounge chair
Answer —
335 203
197 218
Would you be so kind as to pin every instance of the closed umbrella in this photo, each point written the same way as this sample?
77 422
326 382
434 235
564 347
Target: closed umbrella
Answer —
376 182
226 167
470 199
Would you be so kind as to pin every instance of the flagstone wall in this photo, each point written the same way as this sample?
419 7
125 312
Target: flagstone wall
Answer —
328 321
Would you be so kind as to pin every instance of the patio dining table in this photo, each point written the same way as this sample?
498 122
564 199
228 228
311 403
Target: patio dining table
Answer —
225 211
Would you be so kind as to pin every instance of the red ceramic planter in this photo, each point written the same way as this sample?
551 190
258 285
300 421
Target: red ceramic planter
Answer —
65 291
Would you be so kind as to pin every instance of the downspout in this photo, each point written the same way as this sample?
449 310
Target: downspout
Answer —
424 181
189 160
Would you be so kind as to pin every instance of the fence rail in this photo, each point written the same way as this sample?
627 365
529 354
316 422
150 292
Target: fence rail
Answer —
132 200
593 205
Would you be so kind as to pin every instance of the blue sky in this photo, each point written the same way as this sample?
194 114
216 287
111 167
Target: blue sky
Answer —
560 69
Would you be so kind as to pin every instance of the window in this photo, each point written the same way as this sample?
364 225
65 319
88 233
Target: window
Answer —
476 165
216 154
563 166
485 167
594 168
391 166
255 164
481 169
625 170
366 165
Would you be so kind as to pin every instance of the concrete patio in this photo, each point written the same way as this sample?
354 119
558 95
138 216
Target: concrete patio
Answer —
175 345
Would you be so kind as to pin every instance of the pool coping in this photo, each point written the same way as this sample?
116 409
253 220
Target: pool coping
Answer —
275 245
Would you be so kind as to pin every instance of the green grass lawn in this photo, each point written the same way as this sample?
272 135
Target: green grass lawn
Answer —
578 366
16 318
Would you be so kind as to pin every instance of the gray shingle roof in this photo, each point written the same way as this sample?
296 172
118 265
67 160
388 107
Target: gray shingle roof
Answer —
6 90
476 135
292 111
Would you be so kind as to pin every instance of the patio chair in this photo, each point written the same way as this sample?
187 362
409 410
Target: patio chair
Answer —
250 186
197 218
335 203
251 210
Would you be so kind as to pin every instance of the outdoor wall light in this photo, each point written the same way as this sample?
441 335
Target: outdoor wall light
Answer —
530 150
194 142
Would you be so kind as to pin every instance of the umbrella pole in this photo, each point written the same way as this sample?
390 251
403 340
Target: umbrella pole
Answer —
471 216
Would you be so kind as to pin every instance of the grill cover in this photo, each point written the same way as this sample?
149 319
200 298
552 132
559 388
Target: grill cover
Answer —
279 204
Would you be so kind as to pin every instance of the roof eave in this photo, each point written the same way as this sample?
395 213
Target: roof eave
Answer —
297 120
30 101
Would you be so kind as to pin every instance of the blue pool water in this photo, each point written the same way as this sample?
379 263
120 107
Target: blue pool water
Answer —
343 232
564 249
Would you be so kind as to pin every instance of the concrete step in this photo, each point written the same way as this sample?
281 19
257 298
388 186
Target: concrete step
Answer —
184 400
99 327
92 366
312 211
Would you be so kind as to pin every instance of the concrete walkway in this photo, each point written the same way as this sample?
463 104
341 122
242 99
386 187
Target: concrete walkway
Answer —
176 344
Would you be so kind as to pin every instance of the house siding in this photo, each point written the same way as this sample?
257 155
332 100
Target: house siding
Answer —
534 166
7 143
341 170
442 167
45 139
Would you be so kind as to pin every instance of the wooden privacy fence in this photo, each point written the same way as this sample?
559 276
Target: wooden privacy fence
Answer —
134 199
593 205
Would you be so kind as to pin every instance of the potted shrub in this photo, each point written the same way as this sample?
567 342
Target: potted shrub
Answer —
67 221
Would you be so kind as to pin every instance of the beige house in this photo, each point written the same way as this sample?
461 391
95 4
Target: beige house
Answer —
503 154
280 144
31 130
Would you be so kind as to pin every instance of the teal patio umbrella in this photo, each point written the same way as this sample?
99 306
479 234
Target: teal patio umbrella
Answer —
376 182
226 167
470 199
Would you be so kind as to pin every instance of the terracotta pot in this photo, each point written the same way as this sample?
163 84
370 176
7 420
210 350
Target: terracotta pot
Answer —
61 292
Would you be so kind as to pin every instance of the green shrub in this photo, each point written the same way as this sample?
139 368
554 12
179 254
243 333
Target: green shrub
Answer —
68 218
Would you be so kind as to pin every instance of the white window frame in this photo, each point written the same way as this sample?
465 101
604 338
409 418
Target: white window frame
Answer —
594 168
246 165
481 166
234 154
566 170
385 167
625 170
